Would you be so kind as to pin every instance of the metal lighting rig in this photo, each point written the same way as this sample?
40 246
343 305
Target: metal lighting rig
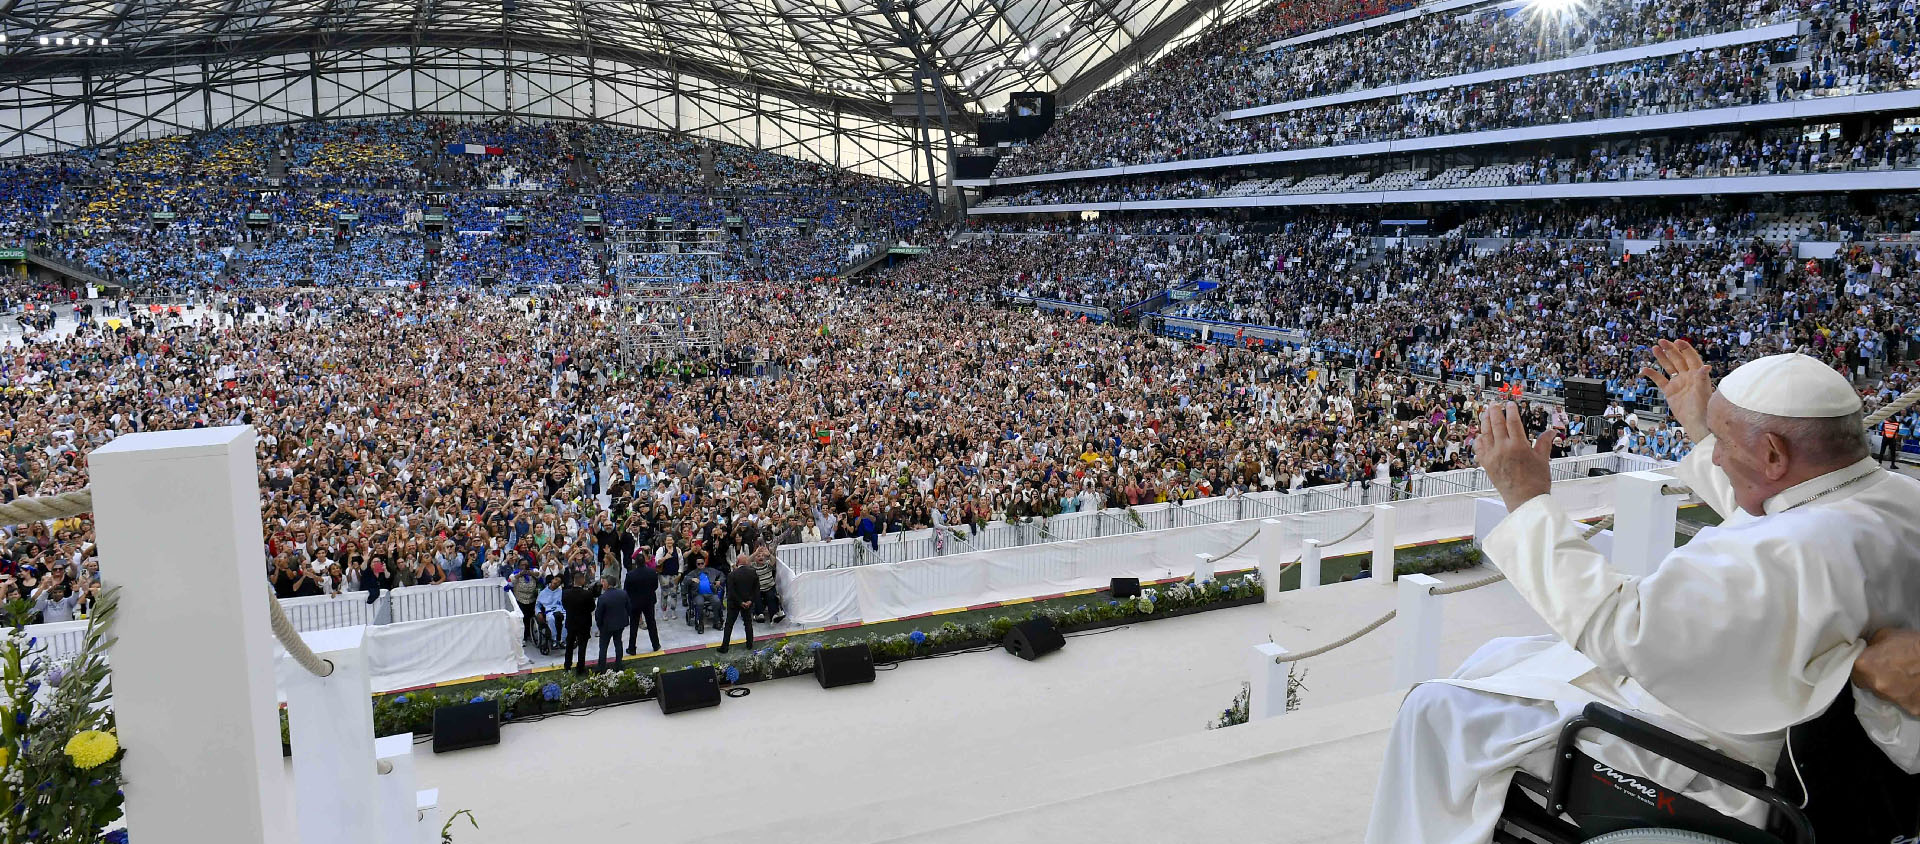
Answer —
671 285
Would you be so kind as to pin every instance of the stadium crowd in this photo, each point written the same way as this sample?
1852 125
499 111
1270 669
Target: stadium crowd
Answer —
1173 111
176 213
416 437
1792 150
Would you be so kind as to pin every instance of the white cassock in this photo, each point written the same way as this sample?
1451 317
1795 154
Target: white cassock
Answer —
1748 629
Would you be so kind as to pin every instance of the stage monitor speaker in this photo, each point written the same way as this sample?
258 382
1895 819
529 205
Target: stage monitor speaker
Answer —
843 666
1033 638
1125 587
1598 472
689 688
1586 396
465 725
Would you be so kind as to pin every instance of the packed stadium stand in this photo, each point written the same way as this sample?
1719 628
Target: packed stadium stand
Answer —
897 327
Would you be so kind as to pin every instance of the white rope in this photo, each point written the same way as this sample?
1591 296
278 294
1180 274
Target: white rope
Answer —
79 502
66 505
1455 589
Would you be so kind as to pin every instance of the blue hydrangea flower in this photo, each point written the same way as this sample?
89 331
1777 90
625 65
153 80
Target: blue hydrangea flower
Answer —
917 637
478 699
550 691
400 700
1113 603
813 646
118 836
733 674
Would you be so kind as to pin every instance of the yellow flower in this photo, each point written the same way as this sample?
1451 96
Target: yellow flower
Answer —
3 756
90 748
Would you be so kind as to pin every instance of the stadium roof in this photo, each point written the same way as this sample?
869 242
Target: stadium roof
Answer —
850 55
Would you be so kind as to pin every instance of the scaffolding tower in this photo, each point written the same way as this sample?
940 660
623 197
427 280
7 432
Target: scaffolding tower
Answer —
671 286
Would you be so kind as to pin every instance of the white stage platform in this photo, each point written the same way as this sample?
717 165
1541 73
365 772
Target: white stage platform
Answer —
1104 741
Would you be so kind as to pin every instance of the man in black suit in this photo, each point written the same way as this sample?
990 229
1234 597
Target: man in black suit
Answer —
643 586
578 604
743 585
611 613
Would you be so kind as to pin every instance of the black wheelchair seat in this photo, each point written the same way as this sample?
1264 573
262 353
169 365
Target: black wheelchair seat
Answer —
1852 792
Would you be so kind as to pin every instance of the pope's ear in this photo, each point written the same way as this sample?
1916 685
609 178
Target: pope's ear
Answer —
1775 457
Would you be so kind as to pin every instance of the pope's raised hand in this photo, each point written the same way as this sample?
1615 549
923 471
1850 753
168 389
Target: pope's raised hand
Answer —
1685 382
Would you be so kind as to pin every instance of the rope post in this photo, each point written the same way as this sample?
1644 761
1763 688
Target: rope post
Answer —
1487 515
178 516
1203 570
399 801
1643 521
1310 564
1268 696
1416 653
1383 536
331 730
1271 551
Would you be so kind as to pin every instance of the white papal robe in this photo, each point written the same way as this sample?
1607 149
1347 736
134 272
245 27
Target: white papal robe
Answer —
1748 629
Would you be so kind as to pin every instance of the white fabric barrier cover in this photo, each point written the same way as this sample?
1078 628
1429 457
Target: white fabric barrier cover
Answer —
418 653
892 590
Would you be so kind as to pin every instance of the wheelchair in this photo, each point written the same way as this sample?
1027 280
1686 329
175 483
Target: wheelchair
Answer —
543 637
1852 792
715 615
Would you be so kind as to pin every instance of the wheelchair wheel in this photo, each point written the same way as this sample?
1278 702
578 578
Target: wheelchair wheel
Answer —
1657 836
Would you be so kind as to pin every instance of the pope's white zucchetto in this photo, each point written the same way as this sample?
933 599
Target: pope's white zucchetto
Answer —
1790 385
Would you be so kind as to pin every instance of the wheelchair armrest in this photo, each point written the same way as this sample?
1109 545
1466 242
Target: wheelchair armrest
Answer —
1692 754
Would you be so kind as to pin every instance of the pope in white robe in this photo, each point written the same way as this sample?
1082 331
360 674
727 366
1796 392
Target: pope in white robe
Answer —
1750 628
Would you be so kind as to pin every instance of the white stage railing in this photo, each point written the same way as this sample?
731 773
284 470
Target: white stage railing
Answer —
1115 521
322 612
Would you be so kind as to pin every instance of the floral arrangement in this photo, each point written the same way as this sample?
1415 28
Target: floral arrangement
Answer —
1457 558
1236 712
413 711
59 757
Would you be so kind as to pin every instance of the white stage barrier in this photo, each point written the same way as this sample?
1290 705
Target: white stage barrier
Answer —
443 632
881 591
406 654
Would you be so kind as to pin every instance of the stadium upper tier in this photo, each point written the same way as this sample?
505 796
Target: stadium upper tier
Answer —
227 222
1604 62
1664 165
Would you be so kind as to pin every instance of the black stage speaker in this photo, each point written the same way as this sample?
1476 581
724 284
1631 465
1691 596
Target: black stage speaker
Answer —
843 666
1586 397
465 725
1034 637
1125 587
1598 472
688 688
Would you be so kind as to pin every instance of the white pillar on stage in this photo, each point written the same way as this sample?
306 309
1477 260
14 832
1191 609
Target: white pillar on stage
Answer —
1416 654
1202 567
399 801
1643 521
1487 515
1271 546
331 728
1310 564
1385 528
1269 693
178 519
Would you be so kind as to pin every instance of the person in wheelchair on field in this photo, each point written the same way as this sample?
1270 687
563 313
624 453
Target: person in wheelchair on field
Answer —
703 592
551 613
1690 677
